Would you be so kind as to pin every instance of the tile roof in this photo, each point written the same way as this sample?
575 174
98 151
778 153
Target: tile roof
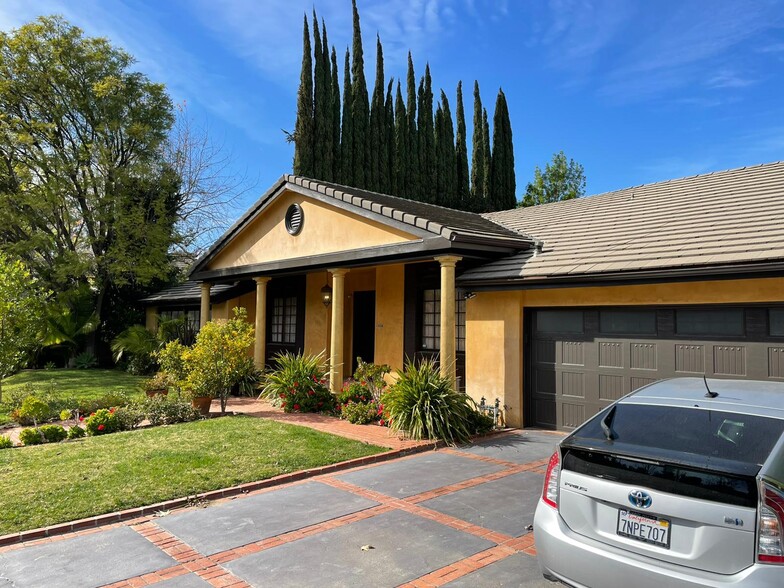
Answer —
187 292
716 219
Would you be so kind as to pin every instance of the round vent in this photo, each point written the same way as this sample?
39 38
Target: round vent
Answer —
294 219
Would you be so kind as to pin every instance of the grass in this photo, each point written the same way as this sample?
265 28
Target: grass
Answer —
77 384
48 484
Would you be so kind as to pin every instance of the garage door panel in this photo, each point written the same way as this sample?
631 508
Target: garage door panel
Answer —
611 354
776 362
612 387
690 359
573 384
572 352
643 356
729 360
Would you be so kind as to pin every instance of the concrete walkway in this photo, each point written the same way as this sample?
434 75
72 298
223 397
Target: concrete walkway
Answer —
451 517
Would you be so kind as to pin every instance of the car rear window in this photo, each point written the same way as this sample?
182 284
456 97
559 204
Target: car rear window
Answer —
714 439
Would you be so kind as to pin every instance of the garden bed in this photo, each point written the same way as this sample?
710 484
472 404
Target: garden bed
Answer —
55 483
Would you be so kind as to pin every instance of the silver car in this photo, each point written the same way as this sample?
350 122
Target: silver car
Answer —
680 483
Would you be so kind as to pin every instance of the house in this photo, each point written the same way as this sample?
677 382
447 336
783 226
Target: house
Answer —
556 310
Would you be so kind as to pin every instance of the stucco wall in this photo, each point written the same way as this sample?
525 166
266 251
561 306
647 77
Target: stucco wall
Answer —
494 324
317 316
325 229
390 301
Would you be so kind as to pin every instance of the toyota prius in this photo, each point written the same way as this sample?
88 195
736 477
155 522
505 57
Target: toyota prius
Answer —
680 483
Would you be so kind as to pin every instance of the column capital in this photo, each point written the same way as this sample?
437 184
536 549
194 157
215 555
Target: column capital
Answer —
447 260
261 279
339 272
205 285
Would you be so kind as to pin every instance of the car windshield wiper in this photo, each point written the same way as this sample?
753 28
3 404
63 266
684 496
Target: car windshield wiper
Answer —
607 425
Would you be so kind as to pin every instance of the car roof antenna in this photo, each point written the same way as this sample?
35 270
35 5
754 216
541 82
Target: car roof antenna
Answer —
710 393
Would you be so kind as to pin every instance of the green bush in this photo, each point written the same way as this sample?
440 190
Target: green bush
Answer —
109 400
371 376
102 422
5 442
53 433
85 361
299 384
163 410
360 413
76 433
65 414
354 391
479 423
31 436
57 403
32 411
130 416
423 405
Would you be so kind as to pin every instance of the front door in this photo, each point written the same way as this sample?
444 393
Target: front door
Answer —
364 329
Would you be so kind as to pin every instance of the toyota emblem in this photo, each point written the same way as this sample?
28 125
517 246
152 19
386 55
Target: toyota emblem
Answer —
640 499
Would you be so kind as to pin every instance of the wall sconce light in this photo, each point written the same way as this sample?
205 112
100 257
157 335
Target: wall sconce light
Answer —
470 295
326 295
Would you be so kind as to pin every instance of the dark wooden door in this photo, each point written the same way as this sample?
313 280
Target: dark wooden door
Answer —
364 329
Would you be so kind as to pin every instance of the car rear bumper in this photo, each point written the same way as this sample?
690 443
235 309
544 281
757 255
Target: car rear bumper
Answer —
586 563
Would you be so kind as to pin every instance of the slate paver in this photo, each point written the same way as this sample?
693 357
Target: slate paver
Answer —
405 547
506 505
87 561
518 570
418 474
253 518
186 581
519 448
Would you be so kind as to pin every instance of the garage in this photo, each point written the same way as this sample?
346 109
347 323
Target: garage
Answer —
579 360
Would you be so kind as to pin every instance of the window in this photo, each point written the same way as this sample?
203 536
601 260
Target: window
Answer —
709 322
628 322
284 320
431 319
190 318
776 317
559 321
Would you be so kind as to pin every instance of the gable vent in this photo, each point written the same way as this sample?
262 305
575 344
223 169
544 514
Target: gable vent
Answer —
294 219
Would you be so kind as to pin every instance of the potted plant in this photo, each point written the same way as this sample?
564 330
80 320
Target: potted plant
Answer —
201 401
157 385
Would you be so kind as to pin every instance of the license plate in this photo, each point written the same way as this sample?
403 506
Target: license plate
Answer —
643 527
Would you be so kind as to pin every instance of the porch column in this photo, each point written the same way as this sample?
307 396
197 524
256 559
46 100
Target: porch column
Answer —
336 344
204 316
260 349
447 357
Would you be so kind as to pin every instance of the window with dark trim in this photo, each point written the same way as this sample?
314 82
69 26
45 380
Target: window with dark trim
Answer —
560 321
628 322
431 319
284 320
189 317
776 322
713 322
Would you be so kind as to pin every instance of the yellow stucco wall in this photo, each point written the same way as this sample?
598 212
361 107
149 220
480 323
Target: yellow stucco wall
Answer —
151 318
317 316
494 324
390 300
325 229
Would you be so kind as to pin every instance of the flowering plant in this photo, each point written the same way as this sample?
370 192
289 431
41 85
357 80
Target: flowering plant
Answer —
101 422
299 384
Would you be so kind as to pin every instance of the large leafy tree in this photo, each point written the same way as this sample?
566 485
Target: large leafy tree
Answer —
562 179
88 195
21 314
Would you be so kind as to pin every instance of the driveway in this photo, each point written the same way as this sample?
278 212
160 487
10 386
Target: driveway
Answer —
452 517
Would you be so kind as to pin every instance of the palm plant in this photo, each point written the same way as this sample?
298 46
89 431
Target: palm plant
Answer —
68 319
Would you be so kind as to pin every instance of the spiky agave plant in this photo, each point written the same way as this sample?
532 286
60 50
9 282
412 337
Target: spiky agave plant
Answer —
423 404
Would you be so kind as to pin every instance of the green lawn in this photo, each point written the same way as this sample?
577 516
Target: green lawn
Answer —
48 484
77 384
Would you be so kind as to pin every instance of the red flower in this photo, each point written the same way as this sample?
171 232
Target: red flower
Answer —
310 392
282 395
111 410
92 414
381 422
81 418
296 407
101 427
296 384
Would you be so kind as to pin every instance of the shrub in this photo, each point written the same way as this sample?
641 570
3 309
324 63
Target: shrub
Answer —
360 413
163 410
31 436
354 392
5 442
102 422
32 411
85 361
159 381
65 414
76 433
171 362
109 400
479 423
53 433
299 384
129 417
47 394
423 405
371 376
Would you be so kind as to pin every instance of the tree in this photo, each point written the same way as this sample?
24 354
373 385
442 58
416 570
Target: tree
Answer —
377 123
412 174
478 156
304 141
336 169
322 105
82 141
502 177
21 314
426 135
446 175
400 162
461 154
561 180
360 108
347 133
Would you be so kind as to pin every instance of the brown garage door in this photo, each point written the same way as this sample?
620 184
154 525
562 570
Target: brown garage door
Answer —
580 360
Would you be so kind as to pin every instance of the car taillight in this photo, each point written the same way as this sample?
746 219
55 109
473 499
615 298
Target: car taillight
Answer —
770 525
550 489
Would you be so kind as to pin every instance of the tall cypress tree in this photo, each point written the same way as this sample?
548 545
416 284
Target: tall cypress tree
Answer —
321 104
447 163
478 155
486 162
412 173
360 107
336 167
400 160
502 177
385 184
328 140
426 135
303 128
461 155
347 134
377 122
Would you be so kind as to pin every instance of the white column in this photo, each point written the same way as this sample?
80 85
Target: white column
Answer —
447 356
260 348
336 344
204 316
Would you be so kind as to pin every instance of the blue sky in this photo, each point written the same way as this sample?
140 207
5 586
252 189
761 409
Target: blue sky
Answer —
636 91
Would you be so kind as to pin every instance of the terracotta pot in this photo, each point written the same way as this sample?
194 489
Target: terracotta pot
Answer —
202 403
161 392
